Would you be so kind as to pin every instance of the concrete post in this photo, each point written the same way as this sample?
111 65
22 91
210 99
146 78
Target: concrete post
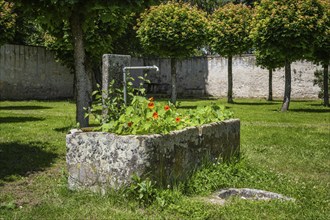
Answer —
112 69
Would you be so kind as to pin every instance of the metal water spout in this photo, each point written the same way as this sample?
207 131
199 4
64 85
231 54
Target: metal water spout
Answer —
125 70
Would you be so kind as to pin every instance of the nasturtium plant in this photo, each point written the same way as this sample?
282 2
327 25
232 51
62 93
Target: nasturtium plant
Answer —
146 116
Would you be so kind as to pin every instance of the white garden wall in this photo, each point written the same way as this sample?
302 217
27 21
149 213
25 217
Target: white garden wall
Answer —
32 73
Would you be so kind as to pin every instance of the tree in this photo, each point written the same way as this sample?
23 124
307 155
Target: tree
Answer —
269 62
108 32
321 52
229 35
286 30
77 23
7 21
173 30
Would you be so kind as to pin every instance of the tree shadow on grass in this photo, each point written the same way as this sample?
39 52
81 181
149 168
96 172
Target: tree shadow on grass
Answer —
19 119
65 129
319 105
17 159
310 110
302 100
23 107
256 103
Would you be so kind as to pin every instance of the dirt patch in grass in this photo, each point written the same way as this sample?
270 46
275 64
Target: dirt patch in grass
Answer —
32 189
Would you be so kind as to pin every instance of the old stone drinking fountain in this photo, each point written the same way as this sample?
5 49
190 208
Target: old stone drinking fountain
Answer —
100 160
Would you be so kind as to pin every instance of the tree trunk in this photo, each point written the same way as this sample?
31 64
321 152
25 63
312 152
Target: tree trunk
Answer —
173 80
230 80
326 85
84 85
270 85
287 90
94 72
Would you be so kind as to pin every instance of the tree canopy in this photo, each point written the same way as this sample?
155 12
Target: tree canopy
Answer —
7 21
321 51
229 30
286 30
172 29
208 6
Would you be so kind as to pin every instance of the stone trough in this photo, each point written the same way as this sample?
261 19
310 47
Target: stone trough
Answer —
100 160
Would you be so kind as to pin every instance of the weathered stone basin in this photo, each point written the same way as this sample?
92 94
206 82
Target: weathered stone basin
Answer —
99 160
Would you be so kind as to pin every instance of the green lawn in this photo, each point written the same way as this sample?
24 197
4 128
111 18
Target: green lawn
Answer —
288 153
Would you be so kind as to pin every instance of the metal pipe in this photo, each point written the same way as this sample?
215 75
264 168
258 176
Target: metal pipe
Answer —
126 68
141 68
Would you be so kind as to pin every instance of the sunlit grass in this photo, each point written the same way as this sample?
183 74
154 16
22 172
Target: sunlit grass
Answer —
287 153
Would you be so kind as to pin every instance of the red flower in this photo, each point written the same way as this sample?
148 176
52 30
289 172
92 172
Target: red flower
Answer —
177 119
155 115
151 105
129 124
166 107
151 99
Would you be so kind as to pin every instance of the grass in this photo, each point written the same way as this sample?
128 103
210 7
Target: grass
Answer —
287 153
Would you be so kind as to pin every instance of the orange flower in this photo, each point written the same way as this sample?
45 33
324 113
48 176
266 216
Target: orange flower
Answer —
151 99
177 119
151 105
129 124
155 115
166 107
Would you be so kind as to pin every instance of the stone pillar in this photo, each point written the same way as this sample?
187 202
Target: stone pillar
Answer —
112 69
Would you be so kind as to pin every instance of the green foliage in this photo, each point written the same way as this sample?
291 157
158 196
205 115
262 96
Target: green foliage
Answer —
167 197
286 30
208 114
321 52
208 6
268 61
102 29
145 192
141 190
172 30
318 80
7 21
145 116
229 30
26 31
113 99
